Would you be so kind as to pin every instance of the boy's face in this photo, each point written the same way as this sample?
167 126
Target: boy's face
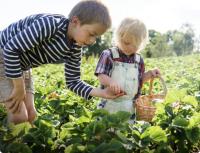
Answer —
127 46
86 34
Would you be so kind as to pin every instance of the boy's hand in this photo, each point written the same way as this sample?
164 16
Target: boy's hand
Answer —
106 93
109 94
17 96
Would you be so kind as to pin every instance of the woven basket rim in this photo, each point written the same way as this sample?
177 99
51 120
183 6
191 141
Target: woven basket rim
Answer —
150 109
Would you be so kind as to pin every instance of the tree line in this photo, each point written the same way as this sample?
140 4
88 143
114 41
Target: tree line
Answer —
172 43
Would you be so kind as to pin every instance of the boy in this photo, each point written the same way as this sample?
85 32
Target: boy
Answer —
47 38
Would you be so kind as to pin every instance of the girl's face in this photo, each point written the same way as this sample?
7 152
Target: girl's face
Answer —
86 34
127 46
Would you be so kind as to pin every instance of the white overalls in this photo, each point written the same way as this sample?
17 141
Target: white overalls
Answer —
126 75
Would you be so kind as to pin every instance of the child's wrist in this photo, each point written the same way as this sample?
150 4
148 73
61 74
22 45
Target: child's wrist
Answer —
96 92
18 82
151 74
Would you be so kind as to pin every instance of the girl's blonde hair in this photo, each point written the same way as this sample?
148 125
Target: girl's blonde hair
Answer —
135 29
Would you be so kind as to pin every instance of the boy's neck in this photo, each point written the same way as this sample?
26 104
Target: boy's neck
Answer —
70 39
70 32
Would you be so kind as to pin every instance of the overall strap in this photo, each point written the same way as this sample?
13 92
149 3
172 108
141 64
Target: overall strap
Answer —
116 57
137 58
114 52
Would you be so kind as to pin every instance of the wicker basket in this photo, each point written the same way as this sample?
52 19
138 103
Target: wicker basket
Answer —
145 105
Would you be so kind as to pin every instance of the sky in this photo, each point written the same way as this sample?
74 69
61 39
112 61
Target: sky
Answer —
160 15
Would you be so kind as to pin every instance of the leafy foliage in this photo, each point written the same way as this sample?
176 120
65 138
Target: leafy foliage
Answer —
67 123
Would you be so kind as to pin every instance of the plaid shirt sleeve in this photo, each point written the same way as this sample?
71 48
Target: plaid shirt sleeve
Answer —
141 74
104 64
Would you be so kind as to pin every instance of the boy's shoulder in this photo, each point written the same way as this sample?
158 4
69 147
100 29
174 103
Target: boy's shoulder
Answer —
56 17
49 15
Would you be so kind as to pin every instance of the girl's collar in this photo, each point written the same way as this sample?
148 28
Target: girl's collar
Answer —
122 54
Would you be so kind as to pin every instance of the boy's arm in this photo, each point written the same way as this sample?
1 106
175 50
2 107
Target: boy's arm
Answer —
17 96
72 75
75 84
26 39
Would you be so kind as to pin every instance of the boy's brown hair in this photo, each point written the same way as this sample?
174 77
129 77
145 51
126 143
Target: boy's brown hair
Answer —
90 12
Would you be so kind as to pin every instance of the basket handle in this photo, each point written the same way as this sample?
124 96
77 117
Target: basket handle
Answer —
164 93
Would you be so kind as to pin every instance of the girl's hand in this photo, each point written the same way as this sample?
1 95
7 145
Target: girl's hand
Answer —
115 88
17 96
155 73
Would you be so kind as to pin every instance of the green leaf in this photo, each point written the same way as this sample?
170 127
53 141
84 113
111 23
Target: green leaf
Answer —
114 146
18 148
64 133
193 134
28 138
175 95
83 119
100 113
136 135
20 129
55 123
164 149
121 136
180 122
123 116
160 109
169 111
44 124
72 118
98 128
69 149
101 148
155 133
190 100
81 148
194 120
87 112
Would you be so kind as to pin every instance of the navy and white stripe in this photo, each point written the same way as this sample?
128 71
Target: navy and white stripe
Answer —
42 39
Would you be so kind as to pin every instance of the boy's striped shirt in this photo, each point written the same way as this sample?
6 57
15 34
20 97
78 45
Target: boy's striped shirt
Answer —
42 39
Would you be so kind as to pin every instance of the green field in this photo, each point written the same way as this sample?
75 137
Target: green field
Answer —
68 123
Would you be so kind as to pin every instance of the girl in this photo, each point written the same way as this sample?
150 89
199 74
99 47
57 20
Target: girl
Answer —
121 68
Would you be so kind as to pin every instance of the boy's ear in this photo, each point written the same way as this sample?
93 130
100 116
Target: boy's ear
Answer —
75 20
